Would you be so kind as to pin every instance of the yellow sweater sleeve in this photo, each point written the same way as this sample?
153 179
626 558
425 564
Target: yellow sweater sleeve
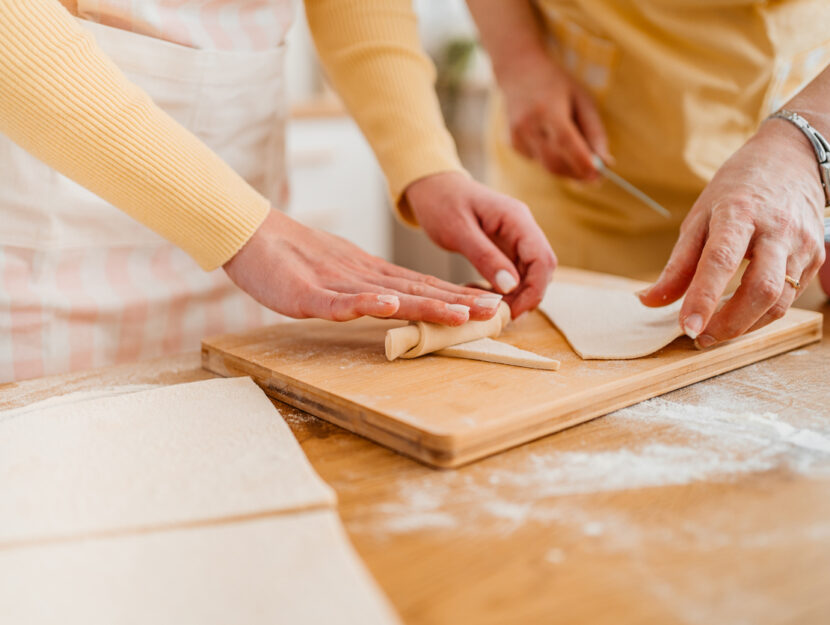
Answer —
65 102
372 55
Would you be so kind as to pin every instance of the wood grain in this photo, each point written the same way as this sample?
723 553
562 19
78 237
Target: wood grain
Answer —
448 412
731 547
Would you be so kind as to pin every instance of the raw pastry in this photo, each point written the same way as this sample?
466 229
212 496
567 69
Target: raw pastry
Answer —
422 338
489 350
180 454
296 568
609 324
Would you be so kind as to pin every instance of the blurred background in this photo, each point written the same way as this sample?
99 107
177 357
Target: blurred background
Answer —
324 144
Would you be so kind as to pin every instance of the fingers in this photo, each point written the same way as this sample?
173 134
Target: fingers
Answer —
414 308
681 267
488 259
722 255
538 262
334 306
337 306
396 271
790 294
762 292
508 226
589 121
565 152
779 309
482 304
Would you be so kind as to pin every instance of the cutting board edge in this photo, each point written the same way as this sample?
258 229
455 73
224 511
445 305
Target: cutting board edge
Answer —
812 333
450 449
426 447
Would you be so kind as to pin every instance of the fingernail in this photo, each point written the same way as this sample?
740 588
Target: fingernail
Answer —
704 341
488 301
642 292
505 281
693 325
459 308
388 299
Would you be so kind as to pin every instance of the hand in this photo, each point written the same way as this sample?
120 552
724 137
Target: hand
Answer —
496 233
301 272
553 120
765 204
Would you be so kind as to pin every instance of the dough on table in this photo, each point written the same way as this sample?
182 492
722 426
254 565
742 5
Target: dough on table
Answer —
489 350
170 456
294 568
609 324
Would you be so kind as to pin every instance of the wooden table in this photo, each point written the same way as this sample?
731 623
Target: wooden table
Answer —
709 505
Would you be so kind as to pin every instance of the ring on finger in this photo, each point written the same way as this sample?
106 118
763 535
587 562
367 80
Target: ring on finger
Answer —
796 284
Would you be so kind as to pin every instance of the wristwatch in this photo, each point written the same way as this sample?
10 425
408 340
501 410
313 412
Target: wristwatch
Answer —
820 145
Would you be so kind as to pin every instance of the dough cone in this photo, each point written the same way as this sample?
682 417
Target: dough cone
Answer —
422 338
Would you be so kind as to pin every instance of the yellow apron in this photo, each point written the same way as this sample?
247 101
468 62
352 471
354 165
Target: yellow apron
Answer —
680 85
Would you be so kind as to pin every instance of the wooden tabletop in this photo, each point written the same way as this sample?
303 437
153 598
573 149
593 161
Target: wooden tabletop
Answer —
708 505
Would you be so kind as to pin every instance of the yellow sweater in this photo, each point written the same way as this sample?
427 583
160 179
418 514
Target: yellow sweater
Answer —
65 102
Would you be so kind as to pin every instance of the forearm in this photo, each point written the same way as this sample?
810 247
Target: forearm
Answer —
511 33
66 103
813 102
372 55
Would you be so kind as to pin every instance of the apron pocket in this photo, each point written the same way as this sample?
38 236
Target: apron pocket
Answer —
588 58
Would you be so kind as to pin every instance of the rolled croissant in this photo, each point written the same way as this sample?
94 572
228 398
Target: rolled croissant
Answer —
422 338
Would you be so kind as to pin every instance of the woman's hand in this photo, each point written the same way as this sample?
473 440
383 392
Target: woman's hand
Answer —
301 272
496 233
765 204
553 120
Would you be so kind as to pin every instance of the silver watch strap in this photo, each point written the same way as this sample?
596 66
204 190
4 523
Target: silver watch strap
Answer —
819 143
827 230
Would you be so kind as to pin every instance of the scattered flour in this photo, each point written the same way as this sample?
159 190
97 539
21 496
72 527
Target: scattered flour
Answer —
555 556
713 440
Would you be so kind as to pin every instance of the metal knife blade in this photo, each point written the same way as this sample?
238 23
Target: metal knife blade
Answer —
626 186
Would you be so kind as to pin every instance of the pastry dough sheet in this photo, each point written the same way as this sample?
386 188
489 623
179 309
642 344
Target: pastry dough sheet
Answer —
215 449
488 350
609 324
294 568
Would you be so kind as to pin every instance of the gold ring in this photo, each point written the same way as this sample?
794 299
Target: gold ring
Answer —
793 282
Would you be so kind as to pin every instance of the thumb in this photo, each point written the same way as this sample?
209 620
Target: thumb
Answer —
679 270
489 260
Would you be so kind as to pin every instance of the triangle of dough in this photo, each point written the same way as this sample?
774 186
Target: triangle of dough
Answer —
489 350
609 324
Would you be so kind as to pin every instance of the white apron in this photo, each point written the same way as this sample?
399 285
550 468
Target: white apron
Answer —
82 284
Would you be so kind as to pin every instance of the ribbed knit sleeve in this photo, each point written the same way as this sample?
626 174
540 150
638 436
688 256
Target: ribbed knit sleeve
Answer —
65 102
372 55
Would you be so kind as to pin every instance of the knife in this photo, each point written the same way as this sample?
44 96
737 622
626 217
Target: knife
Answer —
626 186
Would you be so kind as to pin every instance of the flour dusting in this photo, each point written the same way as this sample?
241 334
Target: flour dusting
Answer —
716 440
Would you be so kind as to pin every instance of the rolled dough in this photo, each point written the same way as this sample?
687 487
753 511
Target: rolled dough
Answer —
489 350
418 339
609 324
216 449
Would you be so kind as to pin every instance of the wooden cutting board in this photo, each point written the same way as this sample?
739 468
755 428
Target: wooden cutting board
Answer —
447 412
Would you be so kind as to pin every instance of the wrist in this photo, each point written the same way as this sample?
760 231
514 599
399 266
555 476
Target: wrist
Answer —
788 141
532 65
